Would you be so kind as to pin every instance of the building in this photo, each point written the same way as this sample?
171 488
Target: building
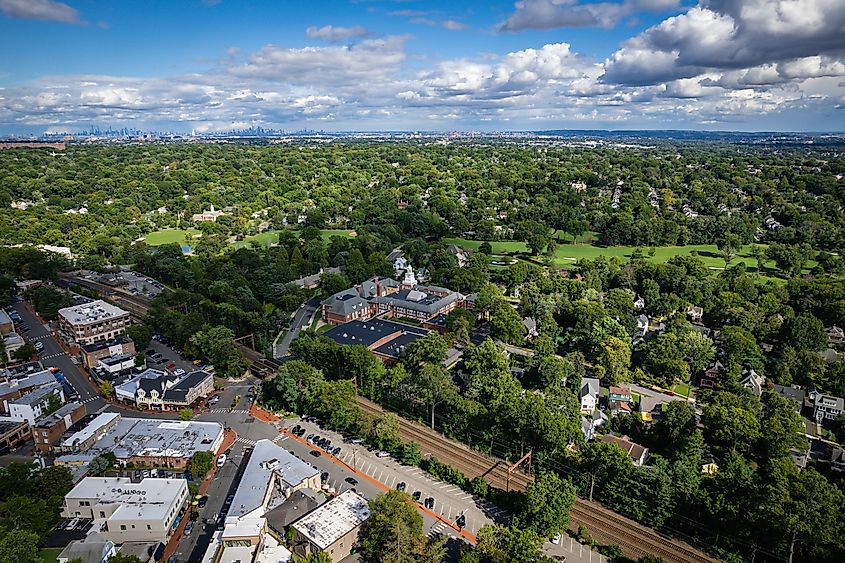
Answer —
93 549
16 388
33 406
621 394
6 324
695 313
155 389
93 353
386 339
637 453
148 442
389 298
92 322
111 367
711 375
84 439
12 341
209 215
297 505
835 336
753 382
332 528
827 407
124 511
12 434
49 430
794 393
589 394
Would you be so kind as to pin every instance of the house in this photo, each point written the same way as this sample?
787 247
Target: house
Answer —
827 407
642 324
12 342
794 393
637 453
93 549
33 406
531 328
752 381
125 511
462 255
156 389
639 304
333 528
592 422
619 394
695 313
620 407
209 215
49 430
589 394
711 375
835 336
709 465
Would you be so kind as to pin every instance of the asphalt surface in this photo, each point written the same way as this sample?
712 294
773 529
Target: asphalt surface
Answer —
301 318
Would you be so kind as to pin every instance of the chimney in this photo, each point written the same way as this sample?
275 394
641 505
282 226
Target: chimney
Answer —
378 287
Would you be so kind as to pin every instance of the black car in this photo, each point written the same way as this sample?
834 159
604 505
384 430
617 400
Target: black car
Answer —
324 476
429 503
352 481
400 486
416 496
461 521
202 502
315 453
194 516
336 451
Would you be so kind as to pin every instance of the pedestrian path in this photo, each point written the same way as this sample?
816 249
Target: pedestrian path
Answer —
51 356
227 411
437 529
245 441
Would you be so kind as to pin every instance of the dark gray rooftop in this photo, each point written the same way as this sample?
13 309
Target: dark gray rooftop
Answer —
367 333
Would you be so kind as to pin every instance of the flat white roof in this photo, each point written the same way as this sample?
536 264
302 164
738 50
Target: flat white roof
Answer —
331 521
95 425
150 498
93 312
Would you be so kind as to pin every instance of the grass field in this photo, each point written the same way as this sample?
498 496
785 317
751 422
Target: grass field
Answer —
167 236
49 554
568 254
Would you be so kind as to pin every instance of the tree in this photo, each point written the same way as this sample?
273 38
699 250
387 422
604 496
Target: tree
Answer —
728 247
331 283
698 349
501 544
804 332
430 349
201 464
54 403
216 343
19 546
507 324
107 389
141 334
434 386
124 558
316 557
386 432
608 469
546 505
613 361
730 422
790 258
394 531
186 414
24 353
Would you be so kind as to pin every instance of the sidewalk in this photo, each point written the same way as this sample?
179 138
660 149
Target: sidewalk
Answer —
229 437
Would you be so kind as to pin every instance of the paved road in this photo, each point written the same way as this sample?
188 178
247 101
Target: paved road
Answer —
301 318
54 356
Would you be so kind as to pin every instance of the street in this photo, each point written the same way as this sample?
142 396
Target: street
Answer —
301 318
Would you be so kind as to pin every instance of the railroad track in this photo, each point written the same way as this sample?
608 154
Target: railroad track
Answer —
604 525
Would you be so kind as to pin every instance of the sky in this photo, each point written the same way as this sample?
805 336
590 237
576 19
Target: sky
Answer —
459 65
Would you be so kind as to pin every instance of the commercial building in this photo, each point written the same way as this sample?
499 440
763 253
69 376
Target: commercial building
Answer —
16 388
48 431
149 442
12 433
92 322
111 367
12 342
36 404
86 438
6 324
124 511
93 353
385 297
386 339
332 528
157 390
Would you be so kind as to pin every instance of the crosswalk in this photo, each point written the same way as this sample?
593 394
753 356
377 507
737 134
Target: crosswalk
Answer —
51 356
437 529
90 399
227 411
245 441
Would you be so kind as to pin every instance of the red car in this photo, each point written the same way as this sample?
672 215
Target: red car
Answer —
171 365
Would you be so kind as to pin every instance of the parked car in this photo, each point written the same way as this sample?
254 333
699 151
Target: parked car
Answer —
315 453
401 486
189 527
221 460
352 481
416 496
202 501
336 451
382 453
324 476
171 365
429 503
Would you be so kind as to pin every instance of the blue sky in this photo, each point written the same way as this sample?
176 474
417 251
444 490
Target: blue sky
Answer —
387 65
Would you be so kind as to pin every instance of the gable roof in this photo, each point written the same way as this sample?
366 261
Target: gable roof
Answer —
634 450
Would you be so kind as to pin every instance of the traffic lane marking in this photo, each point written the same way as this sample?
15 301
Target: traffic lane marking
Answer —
465 533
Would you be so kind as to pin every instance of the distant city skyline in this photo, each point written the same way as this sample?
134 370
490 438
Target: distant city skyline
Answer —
394 65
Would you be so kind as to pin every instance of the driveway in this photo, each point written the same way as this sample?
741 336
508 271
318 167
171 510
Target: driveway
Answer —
301 319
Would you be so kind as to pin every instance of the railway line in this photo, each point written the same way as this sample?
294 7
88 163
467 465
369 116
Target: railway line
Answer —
604 525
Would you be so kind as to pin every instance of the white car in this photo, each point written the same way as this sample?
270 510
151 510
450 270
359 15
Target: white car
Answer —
382 454
221 460
555 540
178 371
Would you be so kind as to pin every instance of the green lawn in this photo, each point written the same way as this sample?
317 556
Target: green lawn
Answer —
167 236
568 254
49 554
682 389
